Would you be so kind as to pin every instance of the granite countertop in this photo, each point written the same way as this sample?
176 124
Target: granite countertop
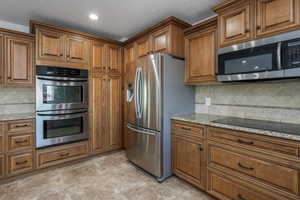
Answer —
7 117
206 119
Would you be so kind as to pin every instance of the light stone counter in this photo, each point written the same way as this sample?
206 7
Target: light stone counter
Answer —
205 119
7 117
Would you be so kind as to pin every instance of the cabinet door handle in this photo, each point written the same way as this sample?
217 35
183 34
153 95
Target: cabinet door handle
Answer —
267 1
240 197
245 167
61 54
245 142
258 27
64 154
21 142
21 163
200 148
187 129
247 30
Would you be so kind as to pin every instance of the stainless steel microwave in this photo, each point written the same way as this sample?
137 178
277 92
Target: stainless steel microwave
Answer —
276 57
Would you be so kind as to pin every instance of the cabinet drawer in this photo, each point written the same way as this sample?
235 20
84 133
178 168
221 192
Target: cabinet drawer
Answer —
59 155
271 173
273 146
19 163
19 142
188 130
22 126
227 188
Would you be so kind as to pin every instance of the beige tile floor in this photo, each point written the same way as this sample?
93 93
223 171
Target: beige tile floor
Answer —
108 177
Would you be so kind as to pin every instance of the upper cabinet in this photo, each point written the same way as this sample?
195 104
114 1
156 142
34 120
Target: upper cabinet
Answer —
244 20
77 50
276 15
50 45
165 37
200 52
106 58
19 61
16 58
58 46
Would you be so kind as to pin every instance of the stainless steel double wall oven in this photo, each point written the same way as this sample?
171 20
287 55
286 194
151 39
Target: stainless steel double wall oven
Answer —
61 105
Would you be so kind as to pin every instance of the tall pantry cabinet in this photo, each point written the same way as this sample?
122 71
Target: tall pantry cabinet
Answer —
106 88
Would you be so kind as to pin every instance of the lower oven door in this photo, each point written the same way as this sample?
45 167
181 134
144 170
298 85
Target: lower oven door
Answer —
59 127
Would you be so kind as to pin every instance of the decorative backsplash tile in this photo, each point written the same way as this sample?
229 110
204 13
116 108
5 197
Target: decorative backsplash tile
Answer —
17 100
275 101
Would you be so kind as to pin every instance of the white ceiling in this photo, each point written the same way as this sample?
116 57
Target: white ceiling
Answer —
118 19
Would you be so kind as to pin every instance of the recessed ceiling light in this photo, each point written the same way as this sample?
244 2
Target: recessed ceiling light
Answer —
94 17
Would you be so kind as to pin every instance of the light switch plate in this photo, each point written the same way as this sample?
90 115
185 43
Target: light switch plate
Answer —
207 101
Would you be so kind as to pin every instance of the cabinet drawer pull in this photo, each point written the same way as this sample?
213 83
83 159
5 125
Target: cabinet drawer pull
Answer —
21 126
240 197
22 163
64 154
245 167
21 142
267 1
247 30
49 54
200 148
245 142
187 129
258 27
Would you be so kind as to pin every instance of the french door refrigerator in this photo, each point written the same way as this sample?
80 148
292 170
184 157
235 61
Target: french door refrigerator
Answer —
157 92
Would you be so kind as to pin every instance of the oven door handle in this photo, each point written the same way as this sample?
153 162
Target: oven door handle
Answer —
58 114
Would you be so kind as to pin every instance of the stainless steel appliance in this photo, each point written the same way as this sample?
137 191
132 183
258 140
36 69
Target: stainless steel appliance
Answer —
61 88
61 105
276 57
157 92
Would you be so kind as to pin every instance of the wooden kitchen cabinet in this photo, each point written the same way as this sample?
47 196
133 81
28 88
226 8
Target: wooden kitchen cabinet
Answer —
77 50
235 24
161 41
99 112
114 58
188 153
200 52
50 45
98 57
114 84
276 16
143 46
19 61
244 20
106 131
1 59
19 163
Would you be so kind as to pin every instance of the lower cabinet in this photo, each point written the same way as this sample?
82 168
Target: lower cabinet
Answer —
2 169
188 154
19 163
106 109
233 165
60 154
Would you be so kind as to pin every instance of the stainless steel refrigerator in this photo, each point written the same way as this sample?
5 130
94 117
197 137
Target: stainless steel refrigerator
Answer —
156 93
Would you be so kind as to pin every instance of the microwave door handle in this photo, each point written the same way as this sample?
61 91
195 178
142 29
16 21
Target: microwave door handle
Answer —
279 48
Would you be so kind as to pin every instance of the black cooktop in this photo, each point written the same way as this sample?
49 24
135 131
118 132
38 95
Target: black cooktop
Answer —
293 129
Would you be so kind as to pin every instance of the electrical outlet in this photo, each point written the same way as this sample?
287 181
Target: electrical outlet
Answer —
207 101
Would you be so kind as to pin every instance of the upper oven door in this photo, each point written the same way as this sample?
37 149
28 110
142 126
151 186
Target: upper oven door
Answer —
252 60
61 93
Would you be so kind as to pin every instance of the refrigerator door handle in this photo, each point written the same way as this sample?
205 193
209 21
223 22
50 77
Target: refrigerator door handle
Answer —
136 92
141 130
140 92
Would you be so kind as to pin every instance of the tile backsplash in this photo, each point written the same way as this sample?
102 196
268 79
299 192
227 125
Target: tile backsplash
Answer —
276 101
17 100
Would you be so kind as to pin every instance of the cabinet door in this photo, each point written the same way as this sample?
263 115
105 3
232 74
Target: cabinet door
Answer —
200 57
2 166
99 113
99 59
77 50
276 15
143 47
114 56
50 45
1 59
235 26
114 112
161 41
19 61
188 160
